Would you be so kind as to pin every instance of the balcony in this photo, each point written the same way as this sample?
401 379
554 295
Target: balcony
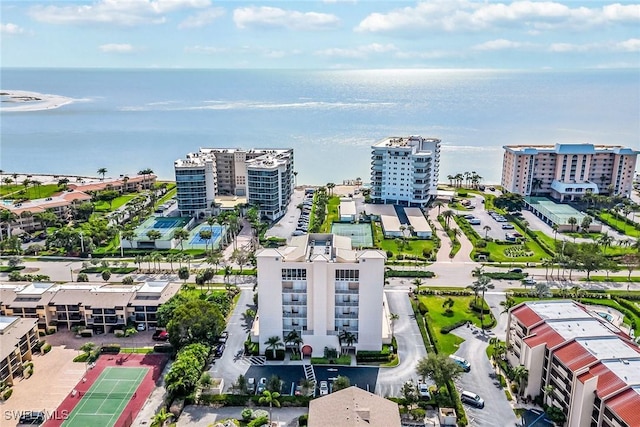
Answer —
284 303
301 315
347 303
293 291
347 291
346 316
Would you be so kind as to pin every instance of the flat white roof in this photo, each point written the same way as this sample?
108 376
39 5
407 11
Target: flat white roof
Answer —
417 220
347 207
608 348
627 370
558 310
5 321
580 328
390 223
153 287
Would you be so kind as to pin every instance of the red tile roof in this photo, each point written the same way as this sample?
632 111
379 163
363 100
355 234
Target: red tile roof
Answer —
608 381
626 406
544 334
526 316
574 356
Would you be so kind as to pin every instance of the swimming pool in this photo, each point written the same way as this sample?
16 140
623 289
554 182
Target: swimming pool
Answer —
606 316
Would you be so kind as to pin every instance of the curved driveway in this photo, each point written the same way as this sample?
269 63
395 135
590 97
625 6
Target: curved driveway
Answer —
410 346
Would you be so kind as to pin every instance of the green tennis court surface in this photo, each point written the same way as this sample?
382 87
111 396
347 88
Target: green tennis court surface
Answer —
360 234
105 401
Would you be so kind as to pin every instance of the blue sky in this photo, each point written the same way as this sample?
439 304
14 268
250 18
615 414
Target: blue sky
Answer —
321 34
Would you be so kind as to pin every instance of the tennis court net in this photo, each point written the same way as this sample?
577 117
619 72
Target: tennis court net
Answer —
98 395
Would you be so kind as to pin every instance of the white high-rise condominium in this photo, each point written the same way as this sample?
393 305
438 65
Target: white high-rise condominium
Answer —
321 287
404 170
568 171
264 176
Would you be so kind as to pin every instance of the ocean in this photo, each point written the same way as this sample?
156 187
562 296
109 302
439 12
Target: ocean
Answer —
126 120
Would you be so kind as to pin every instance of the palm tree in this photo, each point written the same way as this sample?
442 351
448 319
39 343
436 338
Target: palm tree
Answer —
270 397
295 178
438 205
347 338
546 262
572 221
508 304
393 317
103 172
417 282
274 343
161 418
145 173
7 217
481 285
521 377
180 235
486 229
447 215
605 241
330 187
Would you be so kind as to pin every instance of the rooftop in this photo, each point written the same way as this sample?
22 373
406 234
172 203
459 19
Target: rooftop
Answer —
414 143
579 148
353 407
12 329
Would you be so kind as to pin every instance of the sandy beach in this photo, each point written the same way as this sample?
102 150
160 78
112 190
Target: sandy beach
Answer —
17 100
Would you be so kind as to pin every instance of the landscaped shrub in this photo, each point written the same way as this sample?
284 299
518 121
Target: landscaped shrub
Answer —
373 356
46 348
279 354
506 275
163 348
449 328
7 394
422 308
409 273
110 349
258 422
303 420
246 414
81 358
51 331
119 333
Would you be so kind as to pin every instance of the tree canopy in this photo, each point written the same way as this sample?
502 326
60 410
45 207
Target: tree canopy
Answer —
439 368
193 321
510 201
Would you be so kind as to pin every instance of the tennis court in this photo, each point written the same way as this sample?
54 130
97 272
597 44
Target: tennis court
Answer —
360 234
107 398
164 225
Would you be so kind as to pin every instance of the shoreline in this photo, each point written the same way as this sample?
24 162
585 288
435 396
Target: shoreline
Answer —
21 101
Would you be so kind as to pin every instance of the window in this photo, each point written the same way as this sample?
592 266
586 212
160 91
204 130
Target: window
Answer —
350 275
294 274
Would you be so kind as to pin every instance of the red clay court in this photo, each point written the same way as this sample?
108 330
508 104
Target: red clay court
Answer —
112 393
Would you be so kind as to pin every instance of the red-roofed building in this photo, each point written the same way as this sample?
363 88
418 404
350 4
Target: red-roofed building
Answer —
583 362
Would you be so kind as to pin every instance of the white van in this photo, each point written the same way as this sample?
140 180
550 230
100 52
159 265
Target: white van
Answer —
472 399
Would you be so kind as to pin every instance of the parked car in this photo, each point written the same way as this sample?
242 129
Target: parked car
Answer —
492 188
219 350
463 363
515 270
507 226
474 221
141 327
160 335
324 388
472 399
423 391
251 385
32 418
262 385
223 337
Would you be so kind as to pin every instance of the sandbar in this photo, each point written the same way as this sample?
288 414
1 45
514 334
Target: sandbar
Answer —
19 100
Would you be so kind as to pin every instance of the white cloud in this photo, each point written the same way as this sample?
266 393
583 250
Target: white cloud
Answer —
630 45
499 44
360 52
202 18
273 17
118 12
117 48
11 29
467 15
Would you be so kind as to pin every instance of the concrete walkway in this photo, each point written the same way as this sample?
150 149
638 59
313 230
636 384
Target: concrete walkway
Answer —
463 255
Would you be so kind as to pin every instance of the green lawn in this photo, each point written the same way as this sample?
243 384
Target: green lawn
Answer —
629 230
102 206
332 214
616 279
414 247
436 317
35 192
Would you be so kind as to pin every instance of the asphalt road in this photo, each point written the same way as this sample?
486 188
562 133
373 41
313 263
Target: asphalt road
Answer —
232 364
483 381
410 346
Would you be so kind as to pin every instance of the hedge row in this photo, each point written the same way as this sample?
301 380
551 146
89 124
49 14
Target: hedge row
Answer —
448 328
110 349
373 356
457 293
244 400
506 275
409 273
423 330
